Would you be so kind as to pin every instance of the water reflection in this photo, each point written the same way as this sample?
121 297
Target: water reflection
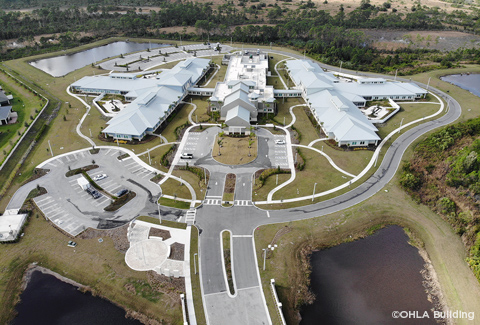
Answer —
363 282
62 65
470 82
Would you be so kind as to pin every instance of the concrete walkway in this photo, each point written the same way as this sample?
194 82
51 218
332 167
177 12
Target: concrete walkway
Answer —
79 125
372 163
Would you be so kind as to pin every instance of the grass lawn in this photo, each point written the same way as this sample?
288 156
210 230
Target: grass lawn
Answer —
199 186
317 170
155 156
219 77
175 188
195 278
25 104
283 107
201 113
304 126
180 118
235 151
166 223
97 265
408 112
350 161
260 194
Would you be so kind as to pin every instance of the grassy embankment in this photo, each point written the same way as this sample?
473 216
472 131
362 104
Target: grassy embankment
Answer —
100 266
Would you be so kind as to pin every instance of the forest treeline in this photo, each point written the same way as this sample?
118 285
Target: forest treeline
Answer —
330 38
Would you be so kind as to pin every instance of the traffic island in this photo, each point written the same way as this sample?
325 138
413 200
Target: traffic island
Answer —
229 190
235 150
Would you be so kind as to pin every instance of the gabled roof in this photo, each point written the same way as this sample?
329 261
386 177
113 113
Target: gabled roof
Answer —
5 112
3 97
239 94
237 111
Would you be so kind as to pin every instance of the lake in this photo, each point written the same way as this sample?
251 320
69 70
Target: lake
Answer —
469 82
364 281
47 300
61 65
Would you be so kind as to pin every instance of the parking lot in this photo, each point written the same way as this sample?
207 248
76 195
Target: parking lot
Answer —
73 209
278 152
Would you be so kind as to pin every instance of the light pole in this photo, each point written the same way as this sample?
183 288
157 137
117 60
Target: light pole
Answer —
400 128
149 159
158 207
341 63
428 83
270 247
90 133
195 262
50 147
313 195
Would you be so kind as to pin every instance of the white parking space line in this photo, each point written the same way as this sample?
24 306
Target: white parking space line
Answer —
56 214
114 153
109 187
133 172
45 204
60 161
73 181
132 163
106 153
47 198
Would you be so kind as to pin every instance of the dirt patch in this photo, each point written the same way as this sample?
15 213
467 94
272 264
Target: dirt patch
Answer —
177 251
118 235
155 232
230 183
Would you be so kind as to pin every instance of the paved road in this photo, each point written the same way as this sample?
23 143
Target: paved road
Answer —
242 221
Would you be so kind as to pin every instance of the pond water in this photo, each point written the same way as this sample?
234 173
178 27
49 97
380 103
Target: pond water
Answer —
47 300
61 65
469 82
363 282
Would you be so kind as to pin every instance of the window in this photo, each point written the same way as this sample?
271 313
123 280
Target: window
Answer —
354 143
362 142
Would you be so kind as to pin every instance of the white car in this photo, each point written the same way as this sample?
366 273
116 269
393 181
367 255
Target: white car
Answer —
280 142
186 156
100 177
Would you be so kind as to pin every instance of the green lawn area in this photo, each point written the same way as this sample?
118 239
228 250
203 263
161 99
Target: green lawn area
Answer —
175 188
25 104
408 112
194 180
166 223
260 194
219 77
155 156
350 161
304 126
283 107
180 118
317 170
201 113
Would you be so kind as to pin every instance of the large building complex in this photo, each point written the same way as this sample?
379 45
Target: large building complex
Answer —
335 102
152 99
244 93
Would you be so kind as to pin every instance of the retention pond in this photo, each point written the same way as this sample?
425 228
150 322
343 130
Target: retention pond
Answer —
366 281
48 300
61 65
470 82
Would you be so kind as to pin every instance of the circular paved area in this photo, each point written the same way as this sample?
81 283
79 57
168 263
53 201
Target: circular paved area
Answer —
147 254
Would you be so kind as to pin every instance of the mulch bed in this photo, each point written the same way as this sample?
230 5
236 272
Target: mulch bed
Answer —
177 252
37 173
164 234
120 202
230 183
118 235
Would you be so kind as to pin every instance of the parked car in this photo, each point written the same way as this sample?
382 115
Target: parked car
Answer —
121 192
93 192
280 142
71 244
186 156
100 177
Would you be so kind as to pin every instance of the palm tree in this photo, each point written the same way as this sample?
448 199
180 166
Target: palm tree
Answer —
219 142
